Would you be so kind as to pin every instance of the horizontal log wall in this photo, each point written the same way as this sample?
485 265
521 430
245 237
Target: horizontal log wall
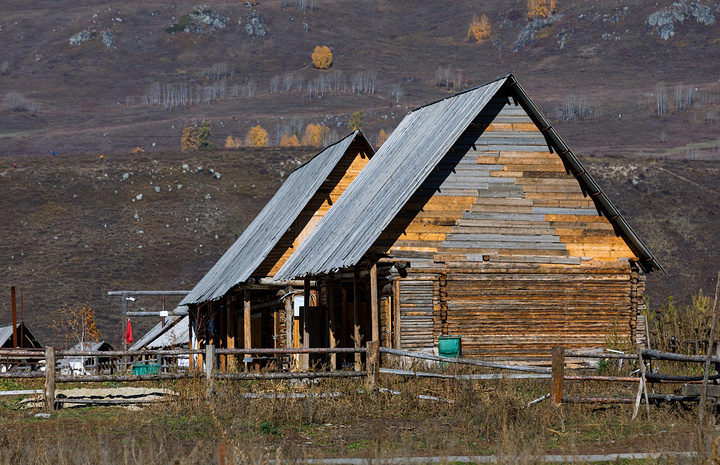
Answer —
512 313
521 258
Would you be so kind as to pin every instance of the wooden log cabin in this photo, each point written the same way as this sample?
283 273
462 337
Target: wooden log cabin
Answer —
475 219
237 304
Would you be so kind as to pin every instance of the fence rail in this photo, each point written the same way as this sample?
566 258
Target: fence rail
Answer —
556 374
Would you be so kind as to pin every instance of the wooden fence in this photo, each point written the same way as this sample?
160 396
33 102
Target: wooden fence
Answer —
556 373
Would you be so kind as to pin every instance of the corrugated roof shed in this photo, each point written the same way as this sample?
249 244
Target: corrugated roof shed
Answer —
397 170
258 240
174 333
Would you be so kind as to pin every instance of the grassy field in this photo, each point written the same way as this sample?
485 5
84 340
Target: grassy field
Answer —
473 418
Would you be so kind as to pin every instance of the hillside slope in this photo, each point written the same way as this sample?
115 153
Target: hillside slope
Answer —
75 227
124 81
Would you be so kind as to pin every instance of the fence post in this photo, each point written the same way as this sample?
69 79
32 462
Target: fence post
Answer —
558 372
210 368
373 362
50 379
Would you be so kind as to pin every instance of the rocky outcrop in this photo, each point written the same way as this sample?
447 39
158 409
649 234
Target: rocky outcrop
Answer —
527 35
199 21
662 22
80 37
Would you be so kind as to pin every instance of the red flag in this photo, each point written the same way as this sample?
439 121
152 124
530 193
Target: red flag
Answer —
128 333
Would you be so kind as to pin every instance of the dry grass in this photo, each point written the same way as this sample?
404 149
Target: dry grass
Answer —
483 418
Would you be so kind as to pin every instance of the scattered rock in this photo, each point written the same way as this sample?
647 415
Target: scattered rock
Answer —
126 175
179 186
255 25
207 196
217 175
108 39
42 415
157 188
80 37
185 167
139 197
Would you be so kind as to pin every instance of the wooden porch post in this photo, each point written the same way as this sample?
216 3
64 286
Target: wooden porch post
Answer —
191 357
374 303
305 335
231 330
356 317
331 319
247 326
289 321
396 311
222 333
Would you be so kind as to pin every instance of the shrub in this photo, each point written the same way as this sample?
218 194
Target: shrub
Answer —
289 141
232 143
189 139
204 134
322 57
382 137
356 120
257 137
538 9
479 28
137 150
315 134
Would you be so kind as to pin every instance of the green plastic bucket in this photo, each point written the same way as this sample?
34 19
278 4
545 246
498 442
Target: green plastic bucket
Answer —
449 346
146 369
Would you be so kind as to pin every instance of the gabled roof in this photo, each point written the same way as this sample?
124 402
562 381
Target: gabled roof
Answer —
258 240
6 334
345 234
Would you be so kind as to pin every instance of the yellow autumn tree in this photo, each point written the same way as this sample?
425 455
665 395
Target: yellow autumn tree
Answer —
551 7
479 28
322 57
257 137
232 142
77 325
382 137
315 134
289 141
189 139
537 9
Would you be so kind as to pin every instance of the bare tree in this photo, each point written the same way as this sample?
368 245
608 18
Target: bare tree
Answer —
275 84
661 99
396 92
289 81
443 77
